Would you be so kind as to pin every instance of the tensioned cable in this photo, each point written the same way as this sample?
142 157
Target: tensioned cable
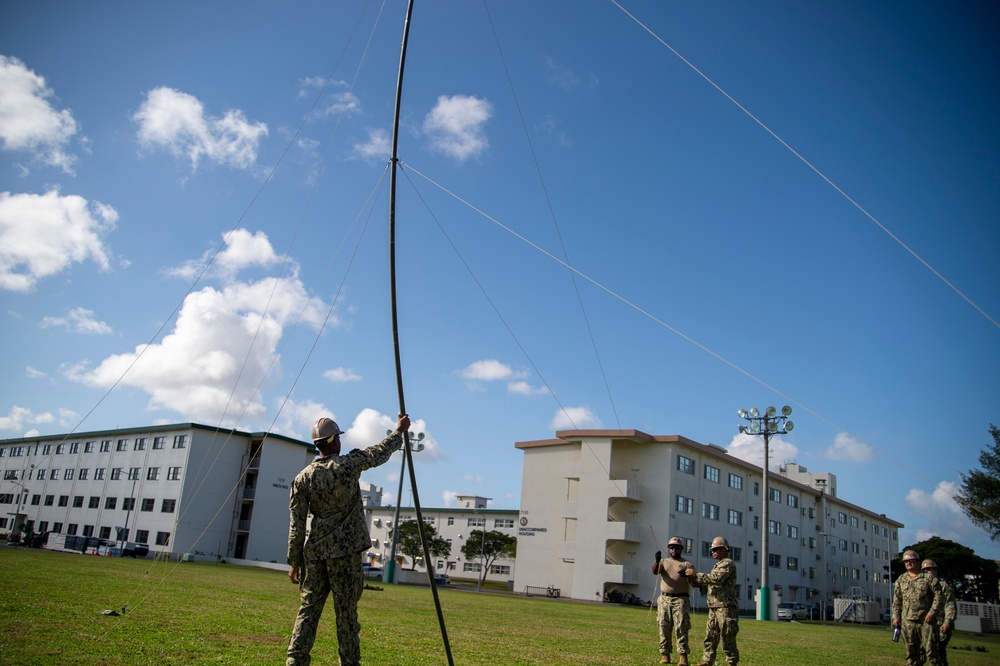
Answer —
675 331
809 164
552 213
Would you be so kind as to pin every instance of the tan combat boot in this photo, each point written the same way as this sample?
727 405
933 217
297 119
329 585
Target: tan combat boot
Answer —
665 659
683 660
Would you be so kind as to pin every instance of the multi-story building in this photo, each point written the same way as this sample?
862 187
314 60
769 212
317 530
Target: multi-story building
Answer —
597 504
184 488
453 524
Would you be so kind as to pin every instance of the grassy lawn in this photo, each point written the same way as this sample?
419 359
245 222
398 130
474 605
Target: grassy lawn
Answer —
194 613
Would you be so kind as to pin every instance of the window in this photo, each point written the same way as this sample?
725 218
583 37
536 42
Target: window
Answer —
736 554
855 548
153 473
98 474
49 499
774 560
706 549
46 449
855 574
133 473
74 447
735 517
158 442
711 474
792 500
110 502
128 504
105 533
71 529
774 495
10 475
500 569
736 481
88 530
685 465
147 503
503 523
122 445
843 544
173 474
140 444
41 475
774 527
142 536
756 523
756 488
57 527
36 500
684 504
451 520
162 538
168 506
478 521
60 449
88 447
842 517
78 502
83 474
94 503
792 564
854 521
688 545
116 473
709 511
180 441
68 474
105 446
792 531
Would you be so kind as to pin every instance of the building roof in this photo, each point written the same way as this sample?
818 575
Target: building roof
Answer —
94 434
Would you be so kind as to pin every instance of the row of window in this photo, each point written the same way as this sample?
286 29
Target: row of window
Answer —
139 444
83 474
141 536
475 521
94 502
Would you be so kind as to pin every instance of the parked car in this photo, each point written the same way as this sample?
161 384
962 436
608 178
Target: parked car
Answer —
373 572
441 579
790 611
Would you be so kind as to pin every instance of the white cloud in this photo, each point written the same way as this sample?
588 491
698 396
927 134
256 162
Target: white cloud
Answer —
751 449
32 373
28 121
449 498
297 418
574 418
241 249
78 320
177 121
42 235
487 370
524 388
455 126
846 448
378 146
19 417
339 375
369 428
938 514
338 99
215 343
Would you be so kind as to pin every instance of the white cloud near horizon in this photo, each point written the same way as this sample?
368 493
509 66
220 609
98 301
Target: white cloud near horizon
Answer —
20 417
847 448
455 126
751 449
176 121
28 121
575 418
44 234
78 320
940 515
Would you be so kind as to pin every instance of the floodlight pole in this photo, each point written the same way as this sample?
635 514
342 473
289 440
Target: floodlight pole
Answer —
766 424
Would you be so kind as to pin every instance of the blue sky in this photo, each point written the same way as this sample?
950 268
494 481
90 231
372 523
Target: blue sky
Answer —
764 203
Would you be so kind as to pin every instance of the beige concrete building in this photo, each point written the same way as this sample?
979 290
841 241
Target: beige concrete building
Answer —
597 504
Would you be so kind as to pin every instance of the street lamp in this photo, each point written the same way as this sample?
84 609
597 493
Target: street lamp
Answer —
389 572
766 424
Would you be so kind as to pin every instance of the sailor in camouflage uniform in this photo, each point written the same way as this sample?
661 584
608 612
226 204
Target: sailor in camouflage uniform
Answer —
916 602
723 606
673 608
330 561
946 621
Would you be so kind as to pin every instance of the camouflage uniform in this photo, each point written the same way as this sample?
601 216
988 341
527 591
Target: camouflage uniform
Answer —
948 615
328 489
723 611
673 608
913 598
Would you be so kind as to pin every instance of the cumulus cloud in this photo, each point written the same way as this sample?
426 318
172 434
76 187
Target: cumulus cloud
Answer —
222 347
340 375
377 146
846 448
338 98
575 418
938 514
32 373
241 249
449 498
487 370
524 388
28 120
177 122
78 320
43 234
297 418
20 417
751 449
455 126
369 427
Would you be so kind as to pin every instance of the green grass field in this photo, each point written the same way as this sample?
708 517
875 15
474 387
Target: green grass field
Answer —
194 613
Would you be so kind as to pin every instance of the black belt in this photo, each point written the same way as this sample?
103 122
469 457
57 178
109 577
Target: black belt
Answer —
664 594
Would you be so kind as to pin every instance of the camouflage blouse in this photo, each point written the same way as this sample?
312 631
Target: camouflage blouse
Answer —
721 584
913 597
328 489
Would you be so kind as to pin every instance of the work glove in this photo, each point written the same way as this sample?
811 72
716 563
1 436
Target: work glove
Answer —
659 556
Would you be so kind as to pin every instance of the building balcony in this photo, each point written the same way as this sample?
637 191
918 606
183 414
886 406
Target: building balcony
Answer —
622 531
567 550
621 574
570 510
624 489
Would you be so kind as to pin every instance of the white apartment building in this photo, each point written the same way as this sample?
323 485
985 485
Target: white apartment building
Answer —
185 488
454 524
597 504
